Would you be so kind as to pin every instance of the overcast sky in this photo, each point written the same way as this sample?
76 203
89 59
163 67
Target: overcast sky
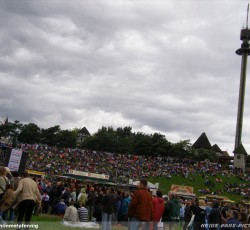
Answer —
158 66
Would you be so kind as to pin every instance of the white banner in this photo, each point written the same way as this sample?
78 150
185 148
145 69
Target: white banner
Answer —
88 174
15 159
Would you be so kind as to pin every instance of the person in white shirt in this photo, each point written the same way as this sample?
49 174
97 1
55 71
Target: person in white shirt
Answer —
45 202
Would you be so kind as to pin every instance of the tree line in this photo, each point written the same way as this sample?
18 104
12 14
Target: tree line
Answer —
121 140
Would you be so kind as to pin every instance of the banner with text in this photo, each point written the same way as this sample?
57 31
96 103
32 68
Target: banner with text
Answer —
88 174
182 189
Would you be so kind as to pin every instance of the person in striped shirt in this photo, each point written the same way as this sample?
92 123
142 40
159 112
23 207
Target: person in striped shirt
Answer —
83 213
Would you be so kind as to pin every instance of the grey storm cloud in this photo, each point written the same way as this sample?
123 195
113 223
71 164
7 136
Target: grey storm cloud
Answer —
157 66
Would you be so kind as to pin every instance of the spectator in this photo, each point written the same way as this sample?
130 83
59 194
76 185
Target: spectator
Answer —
98 210
82 198
233 221
108 209
214 216
71 213
45 202
9 215
158 208
124 208
28 196
199 214
3 185
224 211
141 207
187 214
48 188
73 195
66 195
171 215
90 203
83 213
60 208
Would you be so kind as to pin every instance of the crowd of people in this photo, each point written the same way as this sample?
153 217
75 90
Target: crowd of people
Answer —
145 209
140 208
76 201
120 167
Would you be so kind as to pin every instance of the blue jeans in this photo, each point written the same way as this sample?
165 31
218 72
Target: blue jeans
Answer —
106 220
9 215
134 224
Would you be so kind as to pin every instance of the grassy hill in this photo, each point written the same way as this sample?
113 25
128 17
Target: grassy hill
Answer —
198 182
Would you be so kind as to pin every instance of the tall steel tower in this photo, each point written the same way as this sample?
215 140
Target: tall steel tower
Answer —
244 51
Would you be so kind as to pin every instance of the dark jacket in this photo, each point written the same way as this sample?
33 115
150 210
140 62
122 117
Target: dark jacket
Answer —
200 216
187 214
172 210
91 199
108 203
214 216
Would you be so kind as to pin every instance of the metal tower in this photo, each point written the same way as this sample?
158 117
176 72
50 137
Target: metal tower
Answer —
244 51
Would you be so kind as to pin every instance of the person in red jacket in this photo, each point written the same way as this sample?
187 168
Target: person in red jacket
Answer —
141 207
158 208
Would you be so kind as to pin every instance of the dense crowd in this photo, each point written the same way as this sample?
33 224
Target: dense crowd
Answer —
119 167
131 208
76 201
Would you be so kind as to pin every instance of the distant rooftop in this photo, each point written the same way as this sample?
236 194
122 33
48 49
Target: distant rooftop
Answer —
84 131
202 142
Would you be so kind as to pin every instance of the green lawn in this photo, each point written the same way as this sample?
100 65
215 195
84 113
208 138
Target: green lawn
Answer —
198 183
45 222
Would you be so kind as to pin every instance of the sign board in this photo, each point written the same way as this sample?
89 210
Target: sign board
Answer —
15 159
182 189
88 174
33 172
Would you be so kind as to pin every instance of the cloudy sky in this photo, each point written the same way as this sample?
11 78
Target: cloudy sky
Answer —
158 66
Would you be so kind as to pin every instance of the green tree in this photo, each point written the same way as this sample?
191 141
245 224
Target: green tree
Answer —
90 143
182 149
125 145
160 146
142 144
205 154
49 136
66 139
124 132
15 129
30 134
10 130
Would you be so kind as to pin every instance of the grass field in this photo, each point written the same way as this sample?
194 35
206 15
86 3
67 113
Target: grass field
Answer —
48 222
198 183
45 222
